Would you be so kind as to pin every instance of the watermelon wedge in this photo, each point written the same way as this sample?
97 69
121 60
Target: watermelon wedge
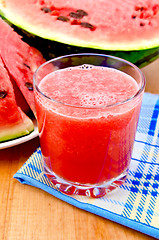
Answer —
21 60
20 100
14 122
110 25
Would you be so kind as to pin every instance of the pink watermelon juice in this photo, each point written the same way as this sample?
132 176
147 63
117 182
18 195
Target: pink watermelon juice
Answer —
86 137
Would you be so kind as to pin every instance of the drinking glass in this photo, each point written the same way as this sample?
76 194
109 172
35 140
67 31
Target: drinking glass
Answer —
86 150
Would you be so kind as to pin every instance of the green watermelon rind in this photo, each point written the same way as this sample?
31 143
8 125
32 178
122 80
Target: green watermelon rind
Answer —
51 49
140 58
59 37
18 130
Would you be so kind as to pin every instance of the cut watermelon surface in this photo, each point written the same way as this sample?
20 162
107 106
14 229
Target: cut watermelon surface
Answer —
21 102
14 122
103 24
21 61
18 62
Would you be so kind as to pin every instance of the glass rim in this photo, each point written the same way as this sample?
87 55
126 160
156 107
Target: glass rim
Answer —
141 89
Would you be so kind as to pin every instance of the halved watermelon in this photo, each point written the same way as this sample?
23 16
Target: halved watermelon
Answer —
14 122
20 59
111 25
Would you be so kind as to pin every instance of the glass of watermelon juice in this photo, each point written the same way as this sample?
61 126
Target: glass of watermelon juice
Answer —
88 107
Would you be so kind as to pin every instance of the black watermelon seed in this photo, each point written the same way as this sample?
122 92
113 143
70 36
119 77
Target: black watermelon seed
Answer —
133 16
75 15
3 94
26 65
142 24
29 86
82 12
87 25
139 8
63 18
46 9
78 14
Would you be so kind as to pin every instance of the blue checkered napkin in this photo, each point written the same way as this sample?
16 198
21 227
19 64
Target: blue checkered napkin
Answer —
136 203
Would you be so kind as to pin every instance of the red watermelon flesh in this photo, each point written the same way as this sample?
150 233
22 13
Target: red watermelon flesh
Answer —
21 60
20 100
13 121
102 24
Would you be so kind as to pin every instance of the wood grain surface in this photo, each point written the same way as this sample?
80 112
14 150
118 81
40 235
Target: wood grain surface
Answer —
151 73
28 213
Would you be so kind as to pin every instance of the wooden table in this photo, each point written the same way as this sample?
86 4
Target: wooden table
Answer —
28 213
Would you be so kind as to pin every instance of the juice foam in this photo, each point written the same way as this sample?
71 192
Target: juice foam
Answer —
88 85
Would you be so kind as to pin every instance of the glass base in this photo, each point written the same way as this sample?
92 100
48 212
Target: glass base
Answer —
95 191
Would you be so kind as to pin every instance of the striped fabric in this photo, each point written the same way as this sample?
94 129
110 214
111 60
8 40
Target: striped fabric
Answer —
136 203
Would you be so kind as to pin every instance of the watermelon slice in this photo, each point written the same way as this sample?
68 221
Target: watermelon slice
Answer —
13 121
21 60
104 24
20 100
